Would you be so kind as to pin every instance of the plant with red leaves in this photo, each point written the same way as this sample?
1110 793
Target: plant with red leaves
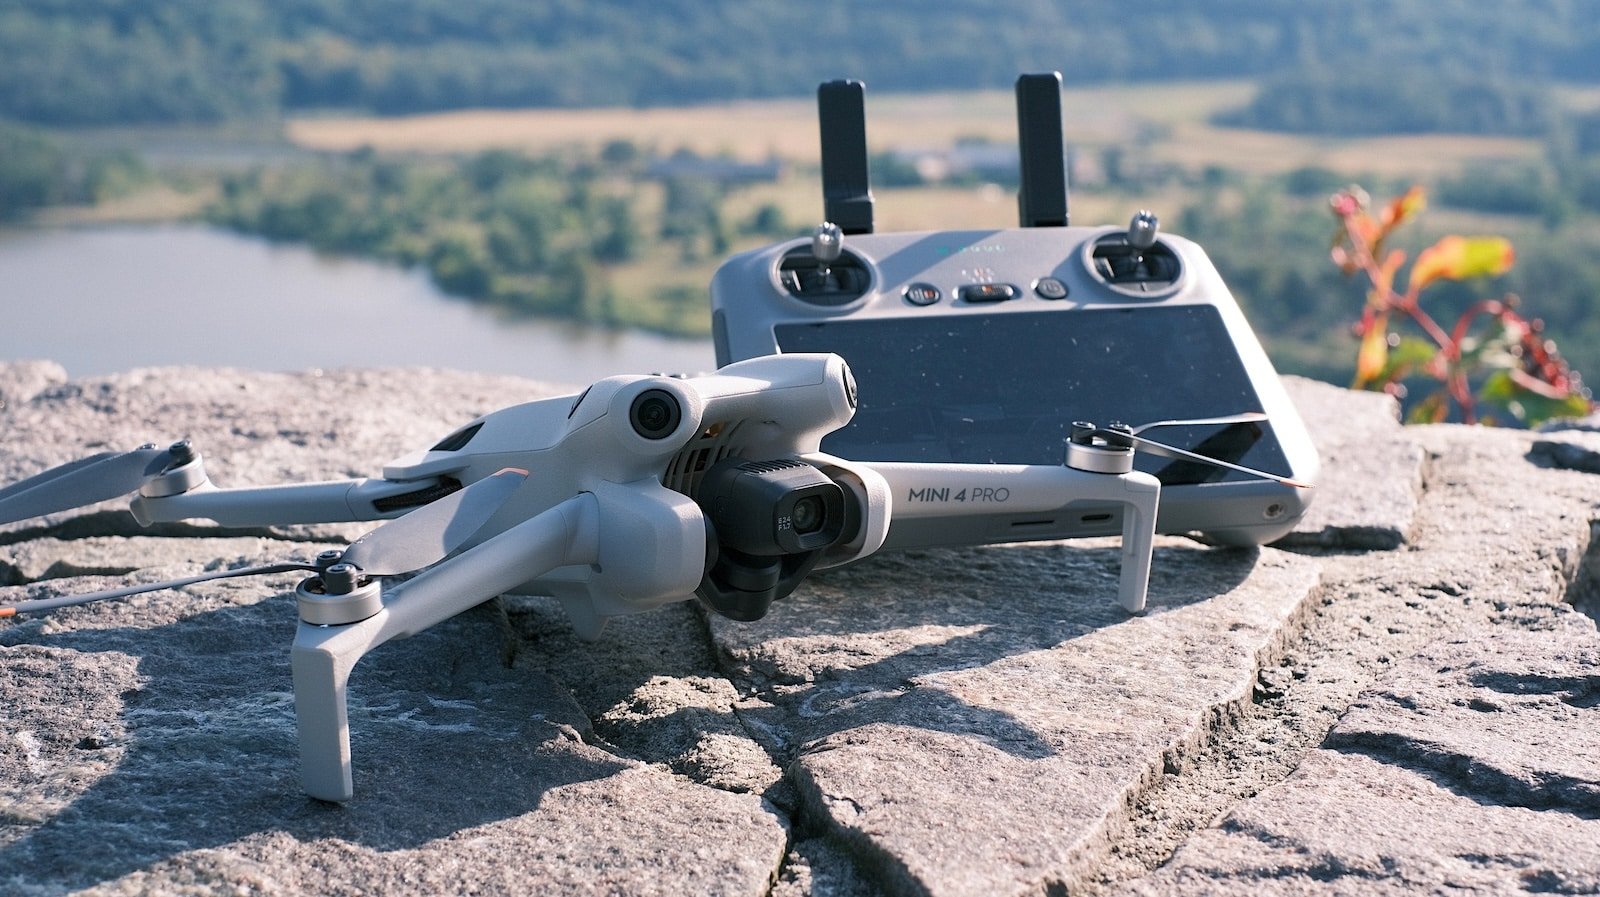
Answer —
1515 366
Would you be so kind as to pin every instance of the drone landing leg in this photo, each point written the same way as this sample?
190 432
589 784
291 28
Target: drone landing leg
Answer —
323 656
1138 539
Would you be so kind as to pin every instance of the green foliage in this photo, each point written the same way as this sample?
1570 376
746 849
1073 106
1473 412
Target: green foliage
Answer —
96 61
1270 249
1528 189
768 221
33 173
531 234
36 171
1370 100
1492 357
99 61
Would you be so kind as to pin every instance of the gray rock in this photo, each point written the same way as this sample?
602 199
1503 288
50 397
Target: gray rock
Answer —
1466 754
1371 469
1506 716
817 868
148 746
958 721
22 380
50 558
652 688
975 721
691 721
1471 770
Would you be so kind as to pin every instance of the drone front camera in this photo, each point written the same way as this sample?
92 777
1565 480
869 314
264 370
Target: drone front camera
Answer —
771 521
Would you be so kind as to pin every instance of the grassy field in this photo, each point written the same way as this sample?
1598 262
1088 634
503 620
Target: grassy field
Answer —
1166 122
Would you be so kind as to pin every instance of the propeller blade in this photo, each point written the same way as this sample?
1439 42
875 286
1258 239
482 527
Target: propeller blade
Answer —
1169 451
85 481
431 532
39 479
44 604
1243 417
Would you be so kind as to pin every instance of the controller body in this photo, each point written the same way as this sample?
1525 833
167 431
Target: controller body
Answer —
979 348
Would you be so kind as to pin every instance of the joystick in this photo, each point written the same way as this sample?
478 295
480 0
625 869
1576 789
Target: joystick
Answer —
1137 262
1142 229
823 273
827 242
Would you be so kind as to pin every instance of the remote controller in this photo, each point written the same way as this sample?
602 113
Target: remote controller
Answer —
975 352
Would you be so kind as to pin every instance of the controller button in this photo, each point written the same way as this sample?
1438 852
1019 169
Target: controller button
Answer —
1050 288
922 294
987 292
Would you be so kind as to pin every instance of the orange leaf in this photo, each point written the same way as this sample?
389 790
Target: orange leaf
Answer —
1462 258
1374 353
1403 207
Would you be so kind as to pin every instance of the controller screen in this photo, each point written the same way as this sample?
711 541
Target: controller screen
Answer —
1005 388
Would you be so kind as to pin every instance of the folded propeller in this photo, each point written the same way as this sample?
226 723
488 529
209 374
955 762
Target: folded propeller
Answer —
88 481
422 537
1121 439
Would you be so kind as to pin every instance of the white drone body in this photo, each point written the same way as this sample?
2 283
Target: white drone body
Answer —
637 492
596 510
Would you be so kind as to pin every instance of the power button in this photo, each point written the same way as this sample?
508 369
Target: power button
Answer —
1050 288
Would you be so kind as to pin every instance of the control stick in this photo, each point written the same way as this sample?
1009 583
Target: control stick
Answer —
1142 229
827 244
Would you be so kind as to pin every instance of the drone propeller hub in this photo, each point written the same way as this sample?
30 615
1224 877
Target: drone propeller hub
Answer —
337 598
1097 450
183 471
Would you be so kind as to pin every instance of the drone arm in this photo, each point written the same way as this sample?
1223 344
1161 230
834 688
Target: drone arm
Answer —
924 491
323 656
335 501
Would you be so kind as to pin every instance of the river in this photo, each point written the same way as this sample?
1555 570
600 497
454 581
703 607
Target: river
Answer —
105 299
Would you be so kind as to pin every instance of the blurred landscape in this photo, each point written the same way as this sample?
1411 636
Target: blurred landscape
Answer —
596 162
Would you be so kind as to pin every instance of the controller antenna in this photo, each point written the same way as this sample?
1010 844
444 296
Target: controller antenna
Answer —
1042 193
846 192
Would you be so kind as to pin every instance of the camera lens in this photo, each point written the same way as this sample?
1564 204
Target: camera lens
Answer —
655 414
772 508
809 514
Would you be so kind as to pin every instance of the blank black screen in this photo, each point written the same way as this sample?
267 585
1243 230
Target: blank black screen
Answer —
1005 388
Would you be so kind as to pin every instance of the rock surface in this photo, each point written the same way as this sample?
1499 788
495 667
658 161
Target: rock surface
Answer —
1372 469
1471 769
1408 705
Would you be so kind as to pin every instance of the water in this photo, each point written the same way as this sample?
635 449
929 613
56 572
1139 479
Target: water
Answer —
108 299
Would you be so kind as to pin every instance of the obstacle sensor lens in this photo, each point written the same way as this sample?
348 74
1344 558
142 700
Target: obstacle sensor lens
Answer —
655 414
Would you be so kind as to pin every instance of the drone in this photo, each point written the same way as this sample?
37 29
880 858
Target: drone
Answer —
636 492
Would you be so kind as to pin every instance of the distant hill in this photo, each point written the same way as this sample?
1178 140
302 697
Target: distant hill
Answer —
83 62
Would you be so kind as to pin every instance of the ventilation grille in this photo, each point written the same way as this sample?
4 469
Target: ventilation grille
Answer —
689 466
